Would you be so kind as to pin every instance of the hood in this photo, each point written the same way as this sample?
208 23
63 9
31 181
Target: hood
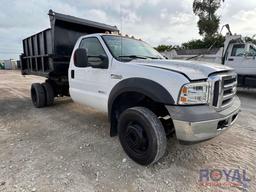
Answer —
193 70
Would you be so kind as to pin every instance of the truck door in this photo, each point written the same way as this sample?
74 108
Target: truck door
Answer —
89 84
249 64
235 56
239 59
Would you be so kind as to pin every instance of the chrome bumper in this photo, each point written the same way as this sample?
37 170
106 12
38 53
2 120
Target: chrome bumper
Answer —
188 130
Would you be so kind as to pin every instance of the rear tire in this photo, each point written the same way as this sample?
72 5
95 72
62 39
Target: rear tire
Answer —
49 93
142 135
38 95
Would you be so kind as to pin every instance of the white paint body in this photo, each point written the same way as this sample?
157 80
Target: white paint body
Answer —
243 65
92 86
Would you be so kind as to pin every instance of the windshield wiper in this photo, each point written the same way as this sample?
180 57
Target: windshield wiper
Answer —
153 57
132 56
138 57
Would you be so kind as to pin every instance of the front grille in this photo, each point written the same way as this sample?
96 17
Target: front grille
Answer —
229 89
223 89
216 93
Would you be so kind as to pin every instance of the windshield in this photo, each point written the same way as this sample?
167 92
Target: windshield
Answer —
124 48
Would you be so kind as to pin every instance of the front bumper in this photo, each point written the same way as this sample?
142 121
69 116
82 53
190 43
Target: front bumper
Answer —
199 123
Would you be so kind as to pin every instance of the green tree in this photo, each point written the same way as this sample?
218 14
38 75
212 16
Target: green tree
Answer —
216 41
249 39
162 48
209 21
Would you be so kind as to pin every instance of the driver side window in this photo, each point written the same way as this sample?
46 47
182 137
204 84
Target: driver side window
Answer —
238 50
96 53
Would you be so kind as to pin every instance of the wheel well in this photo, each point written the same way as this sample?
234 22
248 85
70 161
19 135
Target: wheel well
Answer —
131 99
59 84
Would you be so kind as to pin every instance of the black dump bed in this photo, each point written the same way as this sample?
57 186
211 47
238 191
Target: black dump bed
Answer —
47 53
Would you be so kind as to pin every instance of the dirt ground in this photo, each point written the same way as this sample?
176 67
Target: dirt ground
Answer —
67 147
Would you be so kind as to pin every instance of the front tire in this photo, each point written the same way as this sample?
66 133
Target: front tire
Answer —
142 135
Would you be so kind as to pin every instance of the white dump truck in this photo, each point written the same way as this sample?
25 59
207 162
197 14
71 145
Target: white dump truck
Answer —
145 96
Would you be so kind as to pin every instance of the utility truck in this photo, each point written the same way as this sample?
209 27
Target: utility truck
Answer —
236 53
145 96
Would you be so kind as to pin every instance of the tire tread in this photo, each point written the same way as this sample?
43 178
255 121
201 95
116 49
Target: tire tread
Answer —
49 93
157 129
40 95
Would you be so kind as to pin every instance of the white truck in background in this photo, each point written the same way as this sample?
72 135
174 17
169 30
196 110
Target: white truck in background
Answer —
236 53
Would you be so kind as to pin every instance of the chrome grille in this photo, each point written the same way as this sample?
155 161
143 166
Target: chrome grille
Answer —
223 89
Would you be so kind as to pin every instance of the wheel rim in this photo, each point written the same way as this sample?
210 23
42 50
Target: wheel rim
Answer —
136 139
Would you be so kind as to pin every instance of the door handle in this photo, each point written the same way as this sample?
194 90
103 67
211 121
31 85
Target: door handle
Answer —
230 59
72 74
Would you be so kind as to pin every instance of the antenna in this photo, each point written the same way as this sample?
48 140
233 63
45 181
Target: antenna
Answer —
121 28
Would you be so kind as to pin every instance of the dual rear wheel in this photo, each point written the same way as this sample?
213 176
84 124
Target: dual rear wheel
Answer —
42 94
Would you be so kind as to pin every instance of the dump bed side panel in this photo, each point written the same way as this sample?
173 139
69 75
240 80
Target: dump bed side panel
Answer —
48 53
36 58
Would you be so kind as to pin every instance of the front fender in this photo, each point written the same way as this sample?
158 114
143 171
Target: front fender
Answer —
147 87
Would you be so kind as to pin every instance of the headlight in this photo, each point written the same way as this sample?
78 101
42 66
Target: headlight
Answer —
194 93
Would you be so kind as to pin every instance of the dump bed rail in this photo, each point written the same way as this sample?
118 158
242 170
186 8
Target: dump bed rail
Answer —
47 53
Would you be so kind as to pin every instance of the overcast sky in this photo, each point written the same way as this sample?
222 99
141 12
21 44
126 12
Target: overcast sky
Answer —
155 21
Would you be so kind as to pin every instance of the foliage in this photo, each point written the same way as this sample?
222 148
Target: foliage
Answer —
208 23
216 41
249 39
1 66
163 48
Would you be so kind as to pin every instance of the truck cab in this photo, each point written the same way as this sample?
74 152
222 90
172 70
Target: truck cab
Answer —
241 57
147 97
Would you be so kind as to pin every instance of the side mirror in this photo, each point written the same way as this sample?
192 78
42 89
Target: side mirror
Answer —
80 58
249 55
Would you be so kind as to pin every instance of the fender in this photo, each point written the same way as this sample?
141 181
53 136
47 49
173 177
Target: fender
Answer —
147 87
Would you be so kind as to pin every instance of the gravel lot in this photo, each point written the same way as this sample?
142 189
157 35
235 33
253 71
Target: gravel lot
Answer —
67 147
